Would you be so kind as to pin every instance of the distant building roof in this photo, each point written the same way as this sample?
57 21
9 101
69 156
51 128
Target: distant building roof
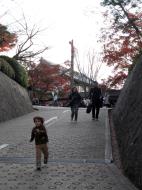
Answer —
79 77
44 61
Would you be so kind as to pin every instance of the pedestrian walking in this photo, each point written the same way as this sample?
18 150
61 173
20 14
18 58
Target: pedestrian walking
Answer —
39 134
95 98
75 100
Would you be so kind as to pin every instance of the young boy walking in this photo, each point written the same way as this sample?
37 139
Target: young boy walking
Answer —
39 133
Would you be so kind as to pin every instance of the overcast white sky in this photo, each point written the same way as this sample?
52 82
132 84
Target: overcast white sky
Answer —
64 20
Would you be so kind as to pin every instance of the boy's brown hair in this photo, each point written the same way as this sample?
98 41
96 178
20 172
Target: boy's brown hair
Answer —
39 118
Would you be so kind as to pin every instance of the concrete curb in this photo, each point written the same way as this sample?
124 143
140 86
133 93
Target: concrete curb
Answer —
48 107
108 146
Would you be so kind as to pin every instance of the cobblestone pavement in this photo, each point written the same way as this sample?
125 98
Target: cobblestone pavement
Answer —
76 155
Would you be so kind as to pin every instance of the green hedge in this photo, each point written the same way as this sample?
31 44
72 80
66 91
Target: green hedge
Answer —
20 73
6 68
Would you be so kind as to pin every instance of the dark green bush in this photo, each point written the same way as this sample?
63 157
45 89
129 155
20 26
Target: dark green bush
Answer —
6 68
20 73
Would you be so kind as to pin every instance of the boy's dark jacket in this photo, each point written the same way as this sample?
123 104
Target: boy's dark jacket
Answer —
40 135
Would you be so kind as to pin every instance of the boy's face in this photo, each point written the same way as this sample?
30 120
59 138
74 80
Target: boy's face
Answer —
37 122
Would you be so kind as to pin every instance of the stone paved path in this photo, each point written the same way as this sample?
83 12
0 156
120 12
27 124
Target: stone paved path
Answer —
76 155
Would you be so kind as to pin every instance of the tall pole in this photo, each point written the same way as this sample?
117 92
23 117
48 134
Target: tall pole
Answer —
72 65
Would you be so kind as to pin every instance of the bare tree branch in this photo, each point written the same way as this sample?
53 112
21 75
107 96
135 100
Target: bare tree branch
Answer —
91 68
27 34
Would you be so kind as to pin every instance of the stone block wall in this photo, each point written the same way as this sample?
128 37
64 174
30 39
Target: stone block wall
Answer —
14 99
127 120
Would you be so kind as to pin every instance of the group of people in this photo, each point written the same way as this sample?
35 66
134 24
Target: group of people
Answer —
39 132
95 97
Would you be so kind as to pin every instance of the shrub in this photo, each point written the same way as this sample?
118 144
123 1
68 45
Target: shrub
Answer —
6 68
20 73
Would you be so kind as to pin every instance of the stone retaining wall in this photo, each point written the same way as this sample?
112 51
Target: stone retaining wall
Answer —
127 120
14 99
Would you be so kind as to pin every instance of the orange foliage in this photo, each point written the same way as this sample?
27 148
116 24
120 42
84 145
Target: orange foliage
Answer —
116 80
47 77
7 39
123 44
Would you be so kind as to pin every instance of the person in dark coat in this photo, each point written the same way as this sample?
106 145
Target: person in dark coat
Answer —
75 100
95 97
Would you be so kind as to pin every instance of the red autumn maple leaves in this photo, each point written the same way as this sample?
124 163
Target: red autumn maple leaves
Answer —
123 43
47 77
